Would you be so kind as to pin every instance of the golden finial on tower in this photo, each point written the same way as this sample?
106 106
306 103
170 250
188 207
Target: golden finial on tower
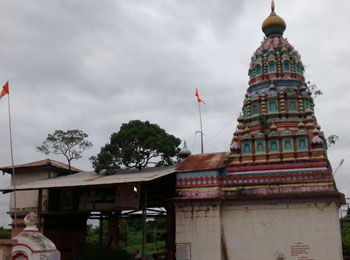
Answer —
273 25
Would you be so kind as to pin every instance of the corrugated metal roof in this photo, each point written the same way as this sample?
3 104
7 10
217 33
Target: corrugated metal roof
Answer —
92 179
46 162
200 162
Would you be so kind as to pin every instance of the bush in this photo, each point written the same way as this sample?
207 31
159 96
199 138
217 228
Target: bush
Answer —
105 253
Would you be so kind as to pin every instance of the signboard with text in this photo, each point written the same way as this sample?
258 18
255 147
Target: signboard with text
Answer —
183 251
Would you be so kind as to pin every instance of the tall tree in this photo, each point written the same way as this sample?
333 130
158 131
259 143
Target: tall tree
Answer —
136 145
71 144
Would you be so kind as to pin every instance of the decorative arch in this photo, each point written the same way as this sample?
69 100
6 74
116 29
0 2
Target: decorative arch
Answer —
292 106
274 145
286 66
260 146
19 256
255 108
272 67
272 106
258 70
287 144
302 143
247 147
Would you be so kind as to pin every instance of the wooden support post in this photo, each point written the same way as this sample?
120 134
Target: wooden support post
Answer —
170 226
144 217
40 203
101 229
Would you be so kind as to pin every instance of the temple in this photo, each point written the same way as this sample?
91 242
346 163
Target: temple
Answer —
273 196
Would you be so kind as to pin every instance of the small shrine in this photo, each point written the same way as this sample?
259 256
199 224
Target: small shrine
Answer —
31 244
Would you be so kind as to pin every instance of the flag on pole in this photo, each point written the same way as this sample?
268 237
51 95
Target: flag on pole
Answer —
198 99
5 90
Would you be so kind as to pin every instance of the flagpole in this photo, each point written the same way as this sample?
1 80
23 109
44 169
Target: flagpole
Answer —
13 165
200 119
340 164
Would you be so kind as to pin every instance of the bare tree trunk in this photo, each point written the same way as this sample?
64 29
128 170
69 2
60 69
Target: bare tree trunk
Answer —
113 233
70 168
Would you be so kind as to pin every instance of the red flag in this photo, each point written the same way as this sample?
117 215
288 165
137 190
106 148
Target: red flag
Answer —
198 99
5 90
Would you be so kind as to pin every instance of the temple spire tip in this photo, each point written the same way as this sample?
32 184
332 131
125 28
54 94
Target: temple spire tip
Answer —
272 5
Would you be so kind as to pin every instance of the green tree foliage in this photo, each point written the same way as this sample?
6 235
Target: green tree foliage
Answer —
332 139
136 145
71 144
131 234
345 234
314 90
5 233
93 234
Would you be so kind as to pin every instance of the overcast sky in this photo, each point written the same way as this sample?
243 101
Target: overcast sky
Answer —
93 65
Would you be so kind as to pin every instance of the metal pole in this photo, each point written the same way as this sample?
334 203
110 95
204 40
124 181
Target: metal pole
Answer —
200 119
13 165
40 201
144 216
340 164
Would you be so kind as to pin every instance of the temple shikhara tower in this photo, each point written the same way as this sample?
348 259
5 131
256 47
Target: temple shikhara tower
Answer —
277 132
273 196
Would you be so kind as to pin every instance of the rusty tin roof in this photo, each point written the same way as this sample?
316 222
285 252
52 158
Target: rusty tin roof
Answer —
46 162
93 179
201 162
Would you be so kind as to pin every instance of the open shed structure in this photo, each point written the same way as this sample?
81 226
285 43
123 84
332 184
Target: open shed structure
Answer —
73 199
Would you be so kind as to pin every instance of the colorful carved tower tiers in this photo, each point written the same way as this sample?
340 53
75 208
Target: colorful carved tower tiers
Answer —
273 196
277 132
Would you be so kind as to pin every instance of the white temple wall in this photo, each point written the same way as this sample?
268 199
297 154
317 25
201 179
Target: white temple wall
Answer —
199 226
28 200
307 231
295 231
